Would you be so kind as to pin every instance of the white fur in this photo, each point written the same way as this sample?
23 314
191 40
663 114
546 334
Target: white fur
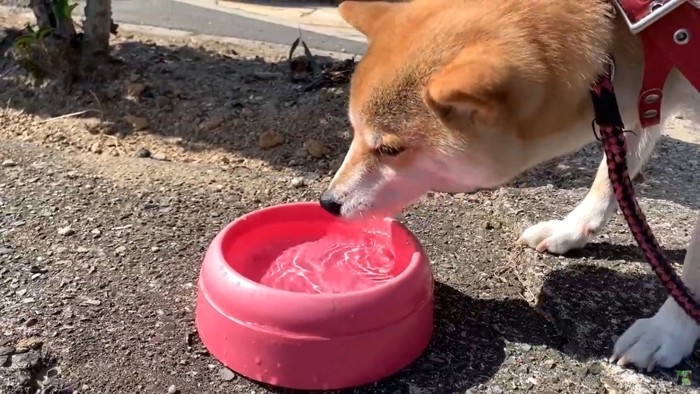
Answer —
662 340
670 335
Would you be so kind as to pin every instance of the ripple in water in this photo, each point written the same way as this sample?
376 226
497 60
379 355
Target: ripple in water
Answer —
333 264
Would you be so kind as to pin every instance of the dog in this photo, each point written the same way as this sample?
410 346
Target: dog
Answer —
458 96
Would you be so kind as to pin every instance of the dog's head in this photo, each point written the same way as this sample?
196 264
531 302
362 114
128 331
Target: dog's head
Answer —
451 97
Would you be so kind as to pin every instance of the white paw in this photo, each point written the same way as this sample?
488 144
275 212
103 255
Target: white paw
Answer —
662 340
555 236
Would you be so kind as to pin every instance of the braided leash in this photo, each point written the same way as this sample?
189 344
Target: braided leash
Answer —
612 134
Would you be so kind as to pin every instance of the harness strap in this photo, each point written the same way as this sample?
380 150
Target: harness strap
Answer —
612 134
672 40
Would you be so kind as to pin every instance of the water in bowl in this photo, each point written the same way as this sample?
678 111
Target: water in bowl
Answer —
335 263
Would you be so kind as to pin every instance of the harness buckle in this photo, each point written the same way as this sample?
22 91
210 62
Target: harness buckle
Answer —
641 14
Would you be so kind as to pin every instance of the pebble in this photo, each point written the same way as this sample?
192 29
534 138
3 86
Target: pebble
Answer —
172 389
31 322
135 89
212 123
96 233
91 301
66 231
25 360
8 163
137 122
316 149
120 250
5 350
96 148
270 139
5 251
143 153
28 343
226 374
298 182
159 156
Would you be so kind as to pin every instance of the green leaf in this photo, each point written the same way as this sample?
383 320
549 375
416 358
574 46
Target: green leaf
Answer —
295 44
24 42
63 10
41 35
310 57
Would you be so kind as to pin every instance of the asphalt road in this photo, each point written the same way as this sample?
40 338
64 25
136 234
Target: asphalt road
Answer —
201 20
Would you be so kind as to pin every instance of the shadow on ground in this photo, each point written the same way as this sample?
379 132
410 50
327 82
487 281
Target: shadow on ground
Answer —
591 306
200 98
469 344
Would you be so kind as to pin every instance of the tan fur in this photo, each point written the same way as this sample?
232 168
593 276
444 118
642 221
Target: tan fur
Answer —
491 86
461 95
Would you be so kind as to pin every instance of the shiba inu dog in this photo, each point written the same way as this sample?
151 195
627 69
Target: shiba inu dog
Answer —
463 95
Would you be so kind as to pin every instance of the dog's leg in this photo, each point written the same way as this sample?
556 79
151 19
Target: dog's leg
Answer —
669 336
591 215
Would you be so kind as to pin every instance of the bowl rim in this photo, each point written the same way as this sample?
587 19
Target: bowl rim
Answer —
417 255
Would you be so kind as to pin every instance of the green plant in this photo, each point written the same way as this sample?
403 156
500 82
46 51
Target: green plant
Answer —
28 46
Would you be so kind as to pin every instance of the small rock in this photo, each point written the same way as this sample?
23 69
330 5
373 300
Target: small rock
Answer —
36 270
120 250
226 374
28 300
28 343
96 233
212 123
82 250
31 322
5 251
316 149
270 139
8 163
5 350
143 153
27 360
159 156
135 89
595 369
137 122
96 148
172 389
298 182
92 301
66 231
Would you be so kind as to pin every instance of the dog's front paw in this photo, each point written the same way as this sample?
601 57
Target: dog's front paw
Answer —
662 340
555 236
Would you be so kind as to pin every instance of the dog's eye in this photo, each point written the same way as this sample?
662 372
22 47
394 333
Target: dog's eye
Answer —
389 150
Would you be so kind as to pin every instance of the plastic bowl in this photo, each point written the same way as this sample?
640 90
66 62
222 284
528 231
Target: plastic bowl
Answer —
311 341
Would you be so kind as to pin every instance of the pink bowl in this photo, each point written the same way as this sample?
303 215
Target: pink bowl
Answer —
311 341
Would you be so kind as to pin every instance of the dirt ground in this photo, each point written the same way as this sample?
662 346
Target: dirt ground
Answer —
110 194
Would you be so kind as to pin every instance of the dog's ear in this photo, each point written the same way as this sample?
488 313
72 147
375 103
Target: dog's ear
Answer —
366 16
472 88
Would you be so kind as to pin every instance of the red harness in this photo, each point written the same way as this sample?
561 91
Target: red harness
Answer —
670 35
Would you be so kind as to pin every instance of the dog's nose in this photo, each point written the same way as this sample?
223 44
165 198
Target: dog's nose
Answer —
331 205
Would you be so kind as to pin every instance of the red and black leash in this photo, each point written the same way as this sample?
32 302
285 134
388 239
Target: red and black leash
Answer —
612 134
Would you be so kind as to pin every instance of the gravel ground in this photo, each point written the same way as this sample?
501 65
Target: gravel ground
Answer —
106 215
